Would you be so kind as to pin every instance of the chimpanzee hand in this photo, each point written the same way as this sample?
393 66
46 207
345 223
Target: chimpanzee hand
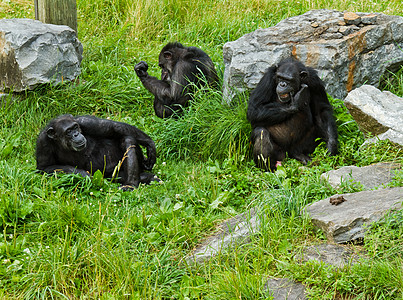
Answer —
128 188
82 172
301 98
141 69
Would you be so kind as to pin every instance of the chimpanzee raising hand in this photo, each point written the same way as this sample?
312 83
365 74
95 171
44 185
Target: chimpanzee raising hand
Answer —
181 67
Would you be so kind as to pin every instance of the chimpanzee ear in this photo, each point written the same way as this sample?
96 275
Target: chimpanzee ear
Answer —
303 74
51 133
168 55
190 53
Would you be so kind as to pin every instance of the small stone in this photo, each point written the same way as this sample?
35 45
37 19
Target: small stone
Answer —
283 288
352 18
315 25
332 29
346 30
332 36
369 19
336 200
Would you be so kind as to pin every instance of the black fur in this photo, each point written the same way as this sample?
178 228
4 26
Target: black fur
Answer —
289 111
180 66
85 144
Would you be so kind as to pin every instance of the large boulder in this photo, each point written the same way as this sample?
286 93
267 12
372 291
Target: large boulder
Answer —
370 177
346 49
32 53
377 113
343 218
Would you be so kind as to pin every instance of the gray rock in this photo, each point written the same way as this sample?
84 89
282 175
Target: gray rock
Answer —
344 62
230 233
369 19
352 18
346 222
369 176
347 30
377 112
335 255
285 289
33 53
390 135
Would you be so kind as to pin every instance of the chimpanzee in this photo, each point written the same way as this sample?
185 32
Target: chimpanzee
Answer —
182 68
85 144
289 111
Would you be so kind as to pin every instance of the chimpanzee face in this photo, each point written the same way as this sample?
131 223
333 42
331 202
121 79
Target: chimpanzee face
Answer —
288 81
167 64
67 133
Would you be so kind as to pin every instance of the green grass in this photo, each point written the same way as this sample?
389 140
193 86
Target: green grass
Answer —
67 237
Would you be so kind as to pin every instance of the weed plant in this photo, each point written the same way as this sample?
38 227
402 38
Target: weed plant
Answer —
67 237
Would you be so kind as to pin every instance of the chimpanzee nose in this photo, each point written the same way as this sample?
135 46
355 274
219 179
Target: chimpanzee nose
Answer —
283 84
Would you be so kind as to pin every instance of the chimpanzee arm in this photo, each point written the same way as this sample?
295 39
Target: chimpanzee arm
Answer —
172 92
164 111
263 110
328 130
65 169
160 89
322 112
111 129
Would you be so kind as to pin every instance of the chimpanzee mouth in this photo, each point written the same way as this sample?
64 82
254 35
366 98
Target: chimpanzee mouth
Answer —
284 97
164 76
81 146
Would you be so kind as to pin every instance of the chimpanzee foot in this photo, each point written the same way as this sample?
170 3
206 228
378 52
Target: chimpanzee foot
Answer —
304 159
127 188
147 178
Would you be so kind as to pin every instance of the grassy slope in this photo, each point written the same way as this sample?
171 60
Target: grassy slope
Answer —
75 238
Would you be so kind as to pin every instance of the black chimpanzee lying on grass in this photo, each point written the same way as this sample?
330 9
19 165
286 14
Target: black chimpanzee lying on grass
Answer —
289 111
85 144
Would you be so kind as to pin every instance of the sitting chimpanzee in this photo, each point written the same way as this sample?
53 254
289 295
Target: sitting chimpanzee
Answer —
182 68
85 144
289 111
